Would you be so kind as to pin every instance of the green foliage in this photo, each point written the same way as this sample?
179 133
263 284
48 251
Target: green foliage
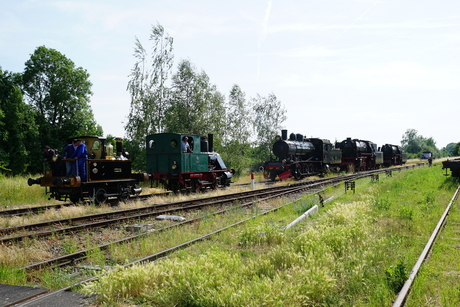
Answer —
456 149
396 276
268 117
12 276
451 149
147 86
415 144
267 233
406 212
382 203
17 126
196 106
236 151
59 92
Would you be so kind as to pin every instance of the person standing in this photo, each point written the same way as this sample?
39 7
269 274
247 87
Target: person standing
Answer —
66 154
185 145
81 154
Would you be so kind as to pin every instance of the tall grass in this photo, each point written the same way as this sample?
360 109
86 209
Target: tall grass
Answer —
15 191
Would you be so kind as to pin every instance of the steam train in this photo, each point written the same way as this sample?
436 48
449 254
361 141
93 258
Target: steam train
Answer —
108 173
300 157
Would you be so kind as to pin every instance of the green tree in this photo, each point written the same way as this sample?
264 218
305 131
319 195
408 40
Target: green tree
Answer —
196 105
60 93
415 144
147 86
456 150
411 142
18 133
269 115
449 149
236 139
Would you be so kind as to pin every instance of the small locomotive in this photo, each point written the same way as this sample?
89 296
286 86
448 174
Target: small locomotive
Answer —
107 175
300 157
177 169
359 155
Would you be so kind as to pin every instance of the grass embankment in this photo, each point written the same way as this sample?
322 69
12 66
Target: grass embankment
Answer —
356 252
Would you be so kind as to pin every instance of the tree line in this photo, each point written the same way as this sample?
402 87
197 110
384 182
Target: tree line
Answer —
186 101
49 103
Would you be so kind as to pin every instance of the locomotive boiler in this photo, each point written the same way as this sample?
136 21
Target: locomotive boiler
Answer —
300 157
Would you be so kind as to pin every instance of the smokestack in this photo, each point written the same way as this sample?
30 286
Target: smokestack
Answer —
284 135
211 142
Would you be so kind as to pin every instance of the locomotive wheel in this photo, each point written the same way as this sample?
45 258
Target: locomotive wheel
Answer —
174 187
197 185
75 198
123 192
297 174
124 196
100 197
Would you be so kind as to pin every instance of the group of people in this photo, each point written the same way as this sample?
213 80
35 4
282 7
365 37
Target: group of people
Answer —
75 151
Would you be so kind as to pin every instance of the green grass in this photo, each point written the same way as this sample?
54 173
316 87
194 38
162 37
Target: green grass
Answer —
15 191
356 252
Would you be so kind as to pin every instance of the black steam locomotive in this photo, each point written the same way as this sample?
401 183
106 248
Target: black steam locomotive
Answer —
300 157
393 155
359 155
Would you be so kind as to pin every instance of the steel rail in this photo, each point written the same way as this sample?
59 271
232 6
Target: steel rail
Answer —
110 218
66 259
164 252
402 295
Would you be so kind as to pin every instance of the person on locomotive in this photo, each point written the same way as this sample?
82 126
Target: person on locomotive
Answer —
66 154
81 154
48 154
186 145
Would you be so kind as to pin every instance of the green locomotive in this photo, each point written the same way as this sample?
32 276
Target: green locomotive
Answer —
185 162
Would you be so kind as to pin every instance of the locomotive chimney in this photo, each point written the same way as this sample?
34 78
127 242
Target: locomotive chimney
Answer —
284 135
211 142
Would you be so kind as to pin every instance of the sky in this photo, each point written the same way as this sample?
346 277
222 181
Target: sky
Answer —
365 69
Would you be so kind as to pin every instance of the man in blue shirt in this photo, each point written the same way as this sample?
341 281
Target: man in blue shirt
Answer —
81 154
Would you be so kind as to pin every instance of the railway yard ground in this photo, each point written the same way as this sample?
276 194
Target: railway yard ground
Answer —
358 250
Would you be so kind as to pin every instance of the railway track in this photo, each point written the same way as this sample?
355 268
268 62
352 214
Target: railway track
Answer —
244 201
106 219
405 291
